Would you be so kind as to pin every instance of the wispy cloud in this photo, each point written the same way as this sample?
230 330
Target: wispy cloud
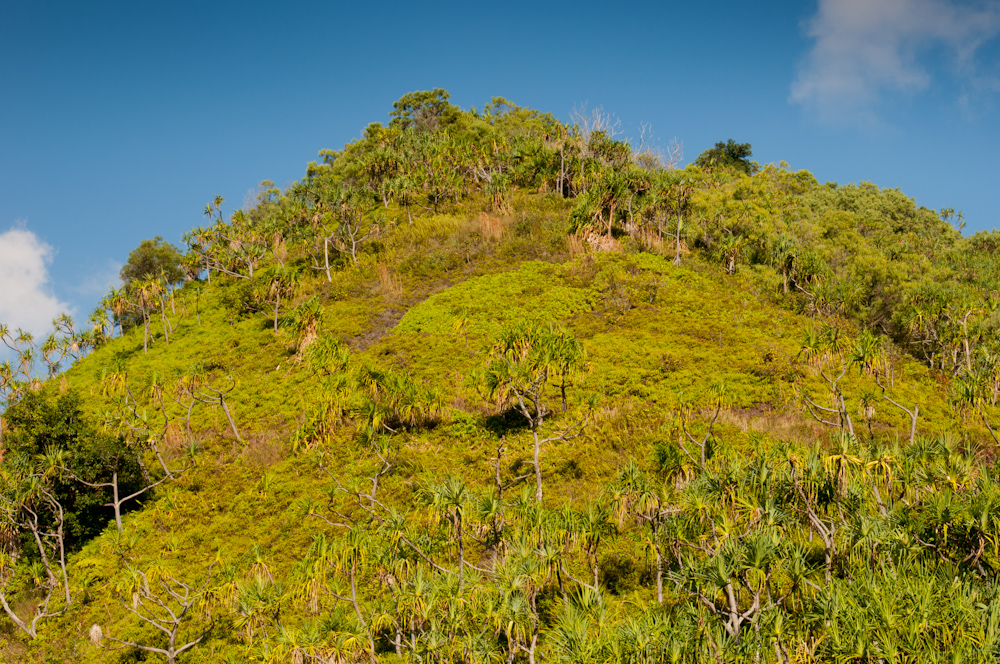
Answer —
26 298
99 280
865 49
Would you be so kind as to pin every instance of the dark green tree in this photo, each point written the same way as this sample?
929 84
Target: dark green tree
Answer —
728 155
42 429
424 109
153 259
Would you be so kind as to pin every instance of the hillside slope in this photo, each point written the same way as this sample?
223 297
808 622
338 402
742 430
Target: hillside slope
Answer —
767 438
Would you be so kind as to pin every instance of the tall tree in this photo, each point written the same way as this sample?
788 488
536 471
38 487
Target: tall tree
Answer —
153 259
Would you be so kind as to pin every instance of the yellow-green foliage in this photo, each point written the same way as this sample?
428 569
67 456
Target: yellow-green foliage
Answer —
481 307
718 351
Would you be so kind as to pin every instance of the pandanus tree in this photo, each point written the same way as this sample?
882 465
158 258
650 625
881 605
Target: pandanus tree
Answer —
15 375
518 370
825 351
337 569
438 180
519 578
29 506
638 495
450 501
379 167
201 254
101 326
142 419
403 188
601 204
207 393
868 354
280 283
116 302
671 193
588 529
234 248
168 604
701 441
143 297
345 217
305 320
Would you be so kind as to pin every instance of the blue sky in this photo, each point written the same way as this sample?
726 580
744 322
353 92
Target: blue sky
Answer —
120 121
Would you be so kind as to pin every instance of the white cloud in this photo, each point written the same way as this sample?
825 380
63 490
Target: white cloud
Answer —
866 48
26 299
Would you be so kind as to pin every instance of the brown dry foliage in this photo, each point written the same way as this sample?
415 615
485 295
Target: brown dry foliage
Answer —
389 283
490 227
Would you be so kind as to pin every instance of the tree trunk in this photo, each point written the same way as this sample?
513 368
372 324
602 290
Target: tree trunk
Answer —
538 468
326 257
229 417
145 332
165 322
277 300
118 505
659 568
562 390
357 609
562 170
677 244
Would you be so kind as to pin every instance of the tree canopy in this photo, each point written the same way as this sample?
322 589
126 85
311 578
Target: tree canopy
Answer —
728 155
153 259
425 109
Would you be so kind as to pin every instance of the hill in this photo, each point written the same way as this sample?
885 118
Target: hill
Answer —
486 387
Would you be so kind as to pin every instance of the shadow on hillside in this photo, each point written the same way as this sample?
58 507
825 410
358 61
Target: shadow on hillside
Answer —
507 422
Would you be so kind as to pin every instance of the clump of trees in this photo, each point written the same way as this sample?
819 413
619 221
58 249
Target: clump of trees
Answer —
50 450
754 555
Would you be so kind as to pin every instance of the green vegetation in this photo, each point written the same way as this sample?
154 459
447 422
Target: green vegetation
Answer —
485 387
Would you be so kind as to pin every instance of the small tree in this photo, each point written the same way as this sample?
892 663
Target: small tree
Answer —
343 223
166 603
520 364
636 494
29 507
130 419
701 443
205 393
142 296
280 283
117 456
825 351
672 190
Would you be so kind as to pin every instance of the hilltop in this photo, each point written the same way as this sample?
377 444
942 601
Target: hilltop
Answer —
483 386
